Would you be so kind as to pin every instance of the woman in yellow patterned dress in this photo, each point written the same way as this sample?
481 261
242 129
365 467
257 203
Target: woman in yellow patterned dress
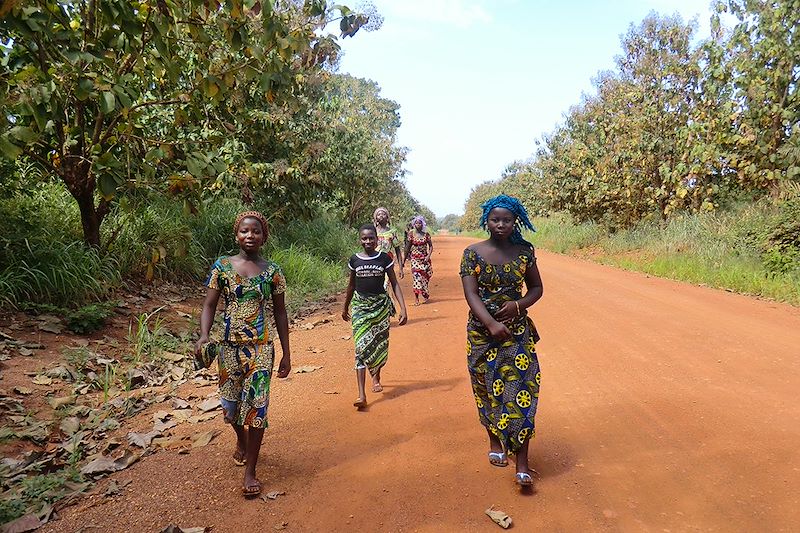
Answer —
245 357
501 339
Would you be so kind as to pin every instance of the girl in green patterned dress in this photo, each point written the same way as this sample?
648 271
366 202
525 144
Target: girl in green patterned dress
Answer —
245 357
501 349
371 309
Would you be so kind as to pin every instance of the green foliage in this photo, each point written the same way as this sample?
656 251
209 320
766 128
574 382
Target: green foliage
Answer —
721 249
122 95
36 491
81 320
676 127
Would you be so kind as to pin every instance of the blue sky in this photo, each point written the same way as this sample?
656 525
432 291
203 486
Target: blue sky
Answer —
478 81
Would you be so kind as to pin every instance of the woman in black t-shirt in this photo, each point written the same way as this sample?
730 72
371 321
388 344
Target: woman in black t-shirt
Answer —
371 309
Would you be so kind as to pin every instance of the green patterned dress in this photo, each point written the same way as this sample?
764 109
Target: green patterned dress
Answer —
505 375
247 354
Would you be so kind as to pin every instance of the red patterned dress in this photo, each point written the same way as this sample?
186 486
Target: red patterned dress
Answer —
421 269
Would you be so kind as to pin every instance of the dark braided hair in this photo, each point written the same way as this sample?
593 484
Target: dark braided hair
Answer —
521 220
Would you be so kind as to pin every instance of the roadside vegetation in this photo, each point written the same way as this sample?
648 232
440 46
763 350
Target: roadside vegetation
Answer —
685 161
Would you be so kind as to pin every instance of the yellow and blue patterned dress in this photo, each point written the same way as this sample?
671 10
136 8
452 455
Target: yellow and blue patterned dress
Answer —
247 354
505 375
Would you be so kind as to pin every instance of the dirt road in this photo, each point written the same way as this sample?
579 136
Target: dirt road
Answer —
664 407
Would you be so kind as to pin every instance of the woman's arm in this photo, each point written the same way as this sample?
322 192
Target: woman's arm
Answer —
533 282
207 317
430 246
398 294
400 258
348 295
498 330
282 325
406 252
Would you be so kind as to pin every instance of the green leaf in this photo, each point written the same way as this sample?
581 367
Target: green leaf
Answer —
22 133
8 149
107 184
107 102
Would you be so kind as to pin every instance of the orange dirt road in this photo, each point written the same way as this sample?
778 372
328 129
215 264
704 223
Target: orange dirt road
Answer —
664 407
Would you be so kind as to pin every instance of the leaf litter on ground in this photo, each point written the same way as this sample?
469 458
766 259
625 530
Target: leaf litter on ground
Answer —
304 369
499 517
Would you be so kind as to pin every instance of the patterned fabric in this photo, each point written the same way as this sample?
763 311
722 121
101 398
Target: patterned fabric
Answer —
371 314
246 300
244 377
388 241
246 356
505 376
421 268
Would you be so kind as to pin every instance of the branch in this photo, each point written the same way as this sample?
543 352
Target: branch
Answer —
132 58
41 160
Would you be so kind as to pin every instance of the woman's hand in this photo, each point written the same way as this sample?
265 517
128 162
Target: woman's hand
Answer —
507 312
402 317
346 314
284 367
499 331
198 346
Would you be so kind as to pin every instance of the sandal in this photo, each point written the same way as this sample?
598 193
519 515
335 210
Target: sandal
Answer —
498 459
239 458
524 479
250 491
377 387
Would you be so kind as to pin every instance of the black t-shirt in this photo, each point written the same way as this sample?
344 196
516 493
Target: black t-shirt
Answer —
370 271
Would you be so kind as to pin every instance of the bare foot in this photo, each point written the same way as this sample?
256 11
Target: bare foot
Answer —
360 403
239 458
377 387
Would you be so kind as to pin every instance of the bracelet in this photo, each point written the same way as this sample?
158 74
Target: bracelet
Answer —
516 302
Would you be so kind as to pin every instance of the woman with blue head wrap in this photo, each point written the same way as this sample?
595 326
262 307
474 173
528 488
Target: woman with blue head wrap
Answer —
501 338
419 247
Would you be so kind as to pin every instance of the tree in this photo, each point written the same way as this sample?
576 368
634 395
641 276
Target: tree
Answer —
119 93
765 65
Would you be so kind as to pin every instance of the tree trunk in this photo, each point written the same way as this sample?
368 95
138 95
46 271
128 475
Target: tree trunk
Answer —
81 185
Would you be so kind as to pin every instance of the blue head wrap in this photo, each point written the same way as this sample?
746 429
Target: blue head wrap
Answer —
517 209
421 219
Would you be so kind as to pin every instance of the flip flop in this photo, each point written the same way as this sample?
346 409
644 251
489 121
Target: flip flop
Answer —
239 459
377 387
360 403
524 479
251 491
498 459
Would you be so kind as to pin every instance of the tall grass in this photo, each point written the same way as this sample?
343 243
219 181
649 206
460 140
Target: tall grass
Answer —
43 259
729 250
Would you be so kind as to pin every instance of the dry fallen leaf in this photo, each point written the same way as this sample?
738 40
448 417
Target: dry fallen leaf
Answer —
499 517
142 440
303 369
273 495
42 380
209 404
330 392
25 391
202 439
29 522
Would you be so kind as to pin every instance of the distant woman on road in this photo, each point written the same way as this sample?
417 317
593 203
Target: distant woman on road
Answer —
245 357
388 242
371 309
501 351
419 247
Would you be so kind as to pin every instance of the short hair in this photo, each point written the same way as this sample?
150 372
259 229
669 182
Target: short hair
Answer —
368 226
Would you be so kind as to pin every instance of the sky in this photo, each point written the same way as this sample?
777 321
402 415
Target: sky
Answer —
479 81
